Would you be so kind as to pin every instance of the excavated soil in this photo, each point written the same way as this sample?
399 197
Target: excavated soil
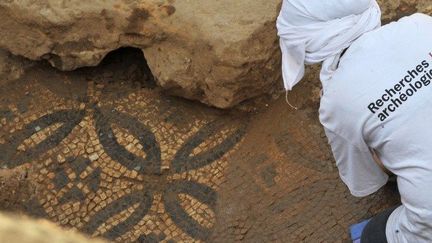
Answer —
104 151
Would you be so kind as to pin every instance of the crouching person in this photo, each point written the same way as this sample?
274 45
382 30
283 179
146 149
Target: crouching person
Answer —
376 99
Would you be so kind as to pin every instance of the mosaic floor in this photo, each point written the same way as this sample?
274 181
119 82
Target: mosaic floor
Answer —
108 154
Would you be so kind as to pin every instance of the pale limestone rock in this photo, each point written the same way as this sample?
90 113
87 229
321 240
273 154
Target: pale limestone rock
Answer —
26 230
219 52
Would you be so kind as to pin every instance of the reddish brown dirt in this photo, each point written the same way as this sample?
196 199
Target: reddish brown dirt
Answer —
104 151
16 189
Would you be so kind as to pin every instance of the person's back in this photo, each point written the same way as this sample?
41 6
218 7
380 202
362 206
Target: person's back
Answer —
380 98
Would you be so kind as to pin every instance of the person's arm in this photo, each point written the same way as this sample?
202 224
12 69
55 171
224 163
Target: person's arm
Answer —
380 163
357 167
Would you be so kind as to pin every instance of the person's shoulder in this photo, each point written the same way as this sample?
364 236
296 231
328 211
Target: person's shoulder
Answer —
415 22
377 56
405 24
417 17
380 44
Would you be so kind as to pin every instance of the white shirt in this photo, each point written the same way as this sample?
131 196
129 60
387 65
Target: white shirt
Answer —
380 98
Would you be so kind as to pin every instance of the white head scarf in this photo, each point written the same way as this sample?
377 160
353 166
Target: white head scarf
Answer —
314 31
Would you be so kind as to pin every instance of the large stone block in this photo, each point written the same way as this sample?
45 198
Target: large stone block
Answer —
220 52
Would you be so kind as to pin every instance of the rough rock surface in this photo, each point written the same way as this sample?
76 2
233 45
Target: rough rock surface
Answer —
26 230
219 52
12 67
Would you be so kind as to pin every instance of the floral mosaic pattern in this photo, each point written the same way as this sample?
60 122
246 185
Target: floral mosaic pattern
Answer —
118 165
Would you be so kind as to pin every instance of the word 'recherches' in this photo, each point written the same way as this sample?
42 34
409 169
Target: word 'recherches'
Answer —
396 96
